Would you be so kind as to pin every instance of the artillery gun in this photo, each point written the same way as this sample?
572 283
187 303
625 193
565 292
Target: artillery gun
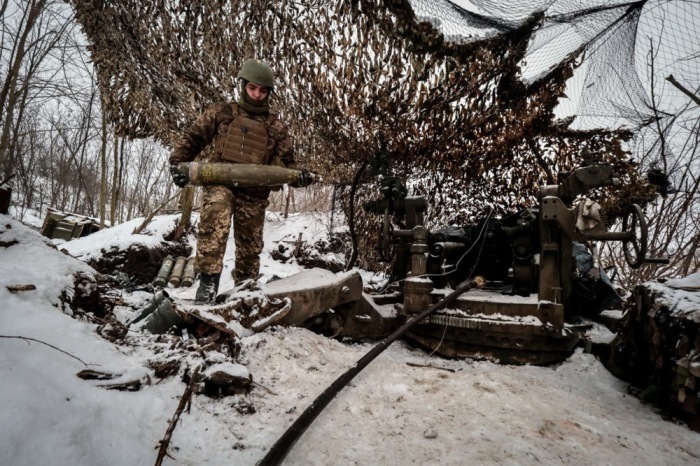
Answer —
541 268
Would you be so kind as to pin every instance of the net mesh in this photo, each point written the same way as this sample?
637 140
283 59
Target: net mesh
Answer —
481 102
612 39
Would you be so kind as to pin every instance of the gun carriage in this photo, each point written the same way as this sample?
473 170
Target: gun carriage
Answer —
541 268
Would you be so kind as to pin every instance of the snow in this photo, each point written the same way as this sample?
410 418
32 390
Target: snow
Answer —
121 238
433 411
233 370
680 295
691 281
599 334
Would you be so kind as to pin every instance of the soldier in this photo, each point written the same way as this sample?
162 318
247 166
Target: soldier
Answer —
242 132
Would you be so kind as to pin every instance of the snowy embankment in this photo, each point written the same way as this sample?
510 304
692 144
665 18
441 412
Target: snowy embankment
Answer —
433 411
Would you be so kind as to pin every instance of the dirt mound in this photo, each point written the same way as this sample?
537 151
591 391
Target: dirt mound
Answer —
138 262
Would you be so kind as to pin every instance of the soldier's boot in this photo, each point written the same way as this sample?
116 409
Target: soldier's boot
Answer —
208 287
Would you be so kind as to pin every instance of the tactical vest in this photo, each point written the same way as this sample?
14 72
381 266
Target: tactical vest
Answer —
246 140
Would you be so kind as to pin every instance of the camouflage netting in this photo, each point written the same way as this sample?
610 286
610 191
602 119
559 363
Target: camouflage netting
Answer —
465 99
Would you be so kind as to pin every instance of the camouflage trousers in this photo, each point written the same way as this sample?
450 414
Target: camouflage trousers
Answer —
247 206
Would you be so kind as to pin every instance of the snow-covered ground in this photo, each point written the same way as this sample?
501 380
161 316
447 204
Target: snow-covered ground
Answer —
434 411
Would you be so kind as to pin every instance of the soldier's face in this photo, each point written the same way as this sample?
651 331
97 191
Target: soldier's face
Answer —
257 92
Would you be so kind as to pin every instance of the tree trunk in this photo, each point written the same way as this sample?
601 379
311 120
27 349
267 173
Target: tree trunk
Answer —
186 201
290 197
103 177
116 179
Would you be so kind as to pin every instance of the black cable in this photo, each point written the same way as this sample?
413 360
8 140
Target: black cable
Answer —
284 444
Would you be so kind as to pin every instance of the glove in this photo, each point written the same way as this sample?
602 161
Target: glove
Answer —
179 178
304 179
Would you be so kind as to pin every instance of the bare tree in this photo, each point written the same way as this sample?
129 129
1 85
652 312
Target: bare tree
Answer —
31 142
33 29
668 149
79 171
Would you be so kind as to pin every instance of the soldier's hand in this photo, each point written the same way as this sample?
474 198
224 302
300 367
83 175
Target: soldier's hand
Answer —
179 178
304 179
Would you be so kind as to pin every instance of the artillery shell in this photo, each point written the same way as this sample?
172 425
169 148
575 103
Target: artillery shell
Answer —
188 274
176 274
237 174
164 272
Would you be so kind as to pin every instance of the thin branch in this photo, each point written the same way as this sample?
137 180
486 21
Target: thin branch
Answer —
148 219
413 364
265 388
184 400
662 134
28 339
683 89
541 161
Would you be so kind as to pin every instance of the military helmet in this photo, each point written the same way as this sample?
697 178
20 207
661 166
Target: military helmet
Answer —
256 71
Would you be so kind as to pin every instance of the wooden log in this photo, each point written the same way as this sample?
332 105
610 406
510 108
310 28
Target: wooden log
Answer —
18 288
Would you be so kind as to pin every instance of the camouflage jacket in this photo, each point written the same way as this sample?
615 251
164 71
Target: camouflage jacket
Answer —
211 126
